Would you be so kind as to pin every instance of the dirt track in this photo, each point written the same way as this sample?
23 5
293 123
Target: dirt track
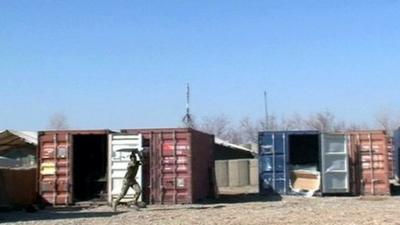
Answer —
244 210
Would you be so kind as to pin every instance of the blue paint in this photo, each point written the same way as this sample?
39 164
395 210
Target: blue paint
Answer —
274 160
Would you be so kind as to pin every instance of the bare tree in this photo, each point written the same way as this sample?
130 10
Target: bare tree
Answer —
322 121
293 122
339 126
246 131
273 123
220 126
235 137
357 126
249 130
58 121
385 119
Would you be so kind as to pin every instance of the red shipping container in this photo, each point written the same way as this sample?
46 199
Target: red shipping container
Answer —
179 165
369 162
65 170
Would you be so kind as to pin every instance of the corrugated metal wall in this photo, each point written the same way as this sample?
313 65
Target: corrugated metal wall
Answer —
371 166
334 164
55 168
274 160
55 156
180 165
202 165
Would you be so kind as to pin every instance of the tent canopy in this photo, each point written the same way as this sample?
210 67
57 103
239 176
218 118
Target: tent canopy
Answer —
11 139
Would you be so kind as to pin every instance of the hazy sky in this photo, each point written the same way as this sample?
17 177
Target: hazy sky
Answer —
122 64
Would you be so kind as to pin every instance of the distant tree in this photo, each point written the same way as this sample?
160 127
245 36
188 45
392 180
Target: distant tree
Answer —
249 129
357 126
322 121
293 122
273 123
235 137
58 121
220 126
386 120
246 130
339 126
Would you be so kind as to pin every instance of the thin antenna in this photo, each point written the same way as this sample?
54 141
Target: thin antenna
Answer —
266 110
187 119
187 99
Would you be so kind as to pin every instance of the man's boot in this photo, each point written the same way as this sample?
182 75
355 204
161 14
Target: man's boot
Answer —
114 206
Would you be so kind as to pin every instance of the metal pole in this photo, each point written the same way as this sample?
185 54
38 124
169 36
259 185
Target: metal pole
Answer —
187 100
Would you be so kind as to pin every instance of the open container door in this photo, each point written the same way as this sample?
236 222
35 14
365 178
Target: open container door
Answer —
335 164
272 163
55 160
118 162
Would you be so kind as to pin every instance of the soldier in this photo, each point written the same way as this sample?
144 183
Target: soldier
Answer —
130 180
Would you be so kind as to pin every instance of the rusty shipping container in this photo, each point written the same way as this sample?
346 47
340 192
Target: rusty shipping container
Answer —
370 164
179 165
72 165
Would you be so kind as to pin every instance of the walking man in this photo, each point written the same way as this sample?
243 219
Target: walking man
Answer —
130 180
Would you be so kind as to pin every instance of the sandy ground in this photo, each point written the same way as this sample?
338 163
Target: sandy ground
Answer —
245 209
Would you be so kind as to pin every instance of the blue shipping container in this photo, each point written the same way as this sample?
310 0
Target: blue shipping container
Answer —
282 151
273 160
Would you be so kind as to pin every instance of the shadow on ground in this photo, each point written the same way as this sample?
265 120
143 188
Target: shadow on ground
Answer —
185 208
52 214
77 213
221 202
244 198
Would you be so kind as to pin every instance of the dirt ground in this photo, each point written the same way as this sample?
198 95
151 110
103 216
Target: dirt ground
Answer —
244 209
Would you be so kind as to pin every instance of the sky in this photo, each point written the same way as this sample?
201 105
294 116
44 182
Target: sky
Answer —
125 64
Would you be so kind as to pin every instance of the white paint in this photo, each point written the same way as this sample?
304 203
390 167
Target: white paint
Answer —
118 162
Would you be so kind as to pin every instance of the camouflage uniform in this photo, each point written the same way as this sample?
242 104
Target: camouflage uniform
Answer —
130 181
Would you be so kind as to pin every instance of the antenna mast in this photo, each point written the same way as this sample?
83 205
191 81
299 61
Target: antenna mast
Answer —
187 119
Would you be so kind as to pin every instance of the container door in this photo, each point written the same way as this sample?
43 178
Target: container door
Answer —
373 155
272 148
335 168
171 168
396 155
118 161
55 176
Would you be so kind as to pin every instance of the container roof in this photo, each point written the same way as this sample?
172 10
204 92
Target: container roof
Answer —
12 138
219 141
